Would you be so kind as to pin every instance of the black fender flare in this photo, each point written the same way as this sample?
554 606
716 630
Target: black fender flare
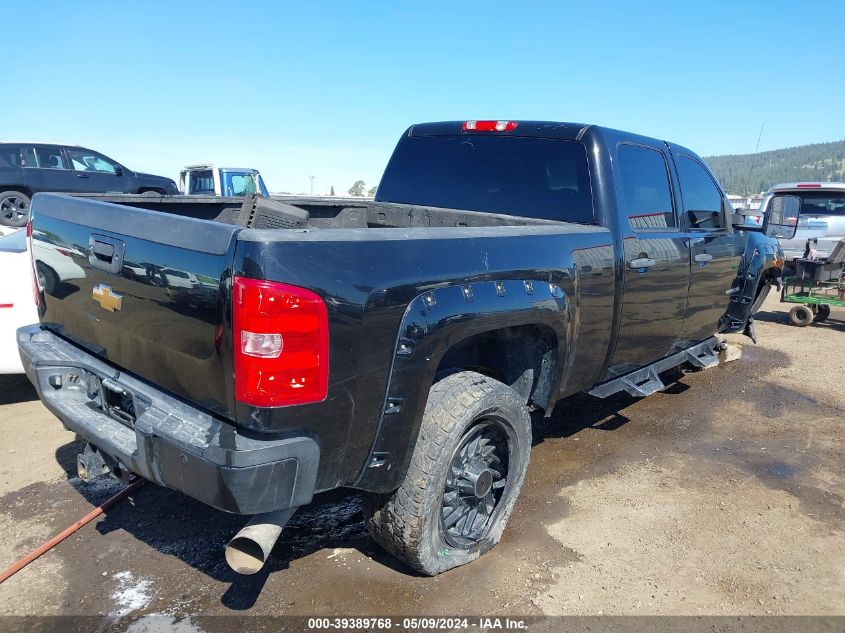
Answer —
433 323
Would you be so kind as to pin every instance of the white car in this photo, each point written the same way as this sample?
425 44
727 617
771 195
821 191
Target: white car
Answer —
17 299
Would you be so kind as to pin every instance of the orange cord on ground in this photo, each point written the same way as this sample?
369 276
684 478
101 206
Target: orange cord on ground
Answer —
46 547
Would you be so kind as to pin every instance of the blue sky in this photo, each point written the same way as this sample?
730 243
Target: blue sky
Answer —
326 88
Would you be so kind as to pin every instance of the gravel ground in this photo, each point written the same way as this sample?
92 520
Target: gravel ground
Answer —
721 495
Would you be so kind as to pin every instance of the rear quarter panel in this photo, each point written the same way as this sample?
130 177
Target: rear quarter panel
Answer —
370 277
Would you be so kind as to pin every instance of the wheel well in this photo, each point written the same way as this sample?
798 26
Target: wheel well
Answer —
157 190
524 357
20 189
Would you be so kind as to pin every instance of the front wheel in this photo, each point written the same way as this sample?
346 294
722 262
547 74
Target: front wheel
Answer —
14 208
466 472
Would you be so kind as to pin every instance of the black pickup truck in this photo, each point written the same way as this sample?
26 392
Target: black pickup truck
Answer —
252 352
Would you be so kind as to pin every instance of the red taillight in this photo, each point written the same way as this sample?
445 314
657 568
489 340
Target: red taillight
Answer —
489 126
809 185
281 337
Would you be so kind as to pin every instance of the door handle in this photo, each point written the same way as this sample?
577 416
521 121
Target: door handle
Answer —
82 176
642 262
703 258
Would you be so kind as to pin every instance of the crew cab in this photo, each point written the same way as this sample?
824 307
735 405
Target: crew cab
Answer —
397 345
29 168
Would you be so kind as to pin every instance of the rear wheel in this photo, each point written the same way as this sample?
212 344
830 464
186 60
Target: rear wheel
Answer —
14 208
465 475
801 316
823 313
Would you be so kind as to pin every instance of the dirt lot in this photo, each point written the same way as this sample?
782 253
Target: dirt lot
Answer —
721 495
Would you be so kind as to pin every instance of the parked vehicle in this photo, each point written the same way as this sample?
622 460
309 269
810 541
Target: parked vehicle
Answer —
395 346
815 287
17 307
28 168
208 180
822 216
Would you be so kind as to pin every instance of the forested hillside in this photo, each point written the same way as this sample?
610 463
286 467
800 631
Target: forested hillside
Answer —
746 174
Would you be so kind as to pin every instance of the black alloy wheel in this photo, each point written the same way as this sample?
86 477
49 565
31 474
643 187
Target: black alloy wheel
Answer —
478 475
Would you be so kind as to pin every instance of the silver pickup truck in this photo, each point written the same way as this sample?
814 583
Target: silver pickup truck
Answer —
822 216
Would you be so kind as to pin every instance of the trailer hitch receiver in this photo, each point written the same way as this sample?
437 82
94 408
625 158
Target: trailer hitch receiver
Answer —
90 464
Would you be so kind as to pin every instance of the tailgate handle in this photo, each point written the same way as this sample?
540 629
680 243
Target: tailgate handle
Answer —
106 253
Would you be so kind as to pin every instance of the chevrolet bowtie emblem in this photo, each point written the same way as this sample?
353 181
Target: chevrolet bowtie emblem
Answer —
107 299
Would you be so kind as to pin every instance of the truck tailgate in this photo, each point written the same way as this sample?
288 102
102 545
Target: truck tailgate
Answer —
140 289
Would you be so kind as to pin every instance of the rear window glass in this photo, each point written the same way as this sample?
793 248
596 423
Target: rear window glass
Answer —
202 182
531 177
10 156
822 202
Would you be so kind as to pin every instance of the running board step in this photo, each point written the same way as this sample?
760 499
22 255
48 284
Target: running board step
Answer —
703 359
646 380
642 383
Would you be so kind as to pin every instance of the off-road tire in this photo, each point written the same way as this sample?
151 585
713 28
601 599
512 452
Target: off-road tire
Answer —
408 522
801 316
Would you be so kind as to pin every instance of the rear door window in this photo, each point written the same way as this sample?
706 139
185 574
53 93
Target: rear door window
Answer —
524 176
48 158
29 157
645 185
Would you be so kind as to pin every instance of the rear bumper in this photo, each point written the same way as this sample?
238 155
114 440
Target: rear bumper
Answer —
170 443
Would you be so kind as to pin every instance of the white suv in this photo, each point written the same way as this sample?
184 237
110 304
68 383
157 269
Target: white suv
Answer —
822 216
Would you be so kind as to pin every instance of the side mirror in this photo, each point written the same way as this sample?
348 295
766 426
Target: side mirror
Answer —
118 170
782 217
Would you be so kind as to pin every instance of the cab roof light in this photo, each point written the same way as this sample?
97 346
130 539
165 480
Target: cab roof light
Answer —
489 126
809 185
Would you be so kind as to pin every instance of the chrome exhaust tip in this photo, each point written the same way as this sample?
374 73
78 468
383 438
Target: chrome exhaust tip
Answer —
250 548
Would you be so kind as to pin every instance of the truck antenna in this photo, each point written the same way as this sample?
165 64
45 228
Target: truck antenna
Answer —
752 162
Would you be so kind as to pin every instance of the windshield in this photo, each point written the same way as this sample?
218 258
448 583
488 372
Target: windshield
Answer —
237 183
532 177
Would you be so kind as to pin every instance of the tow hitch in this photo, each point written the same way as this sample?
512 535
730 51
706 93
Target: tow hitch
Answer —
91 463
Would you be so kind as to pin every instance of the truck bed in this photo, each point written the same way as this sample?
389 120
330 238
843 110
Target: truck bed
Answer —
311 212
